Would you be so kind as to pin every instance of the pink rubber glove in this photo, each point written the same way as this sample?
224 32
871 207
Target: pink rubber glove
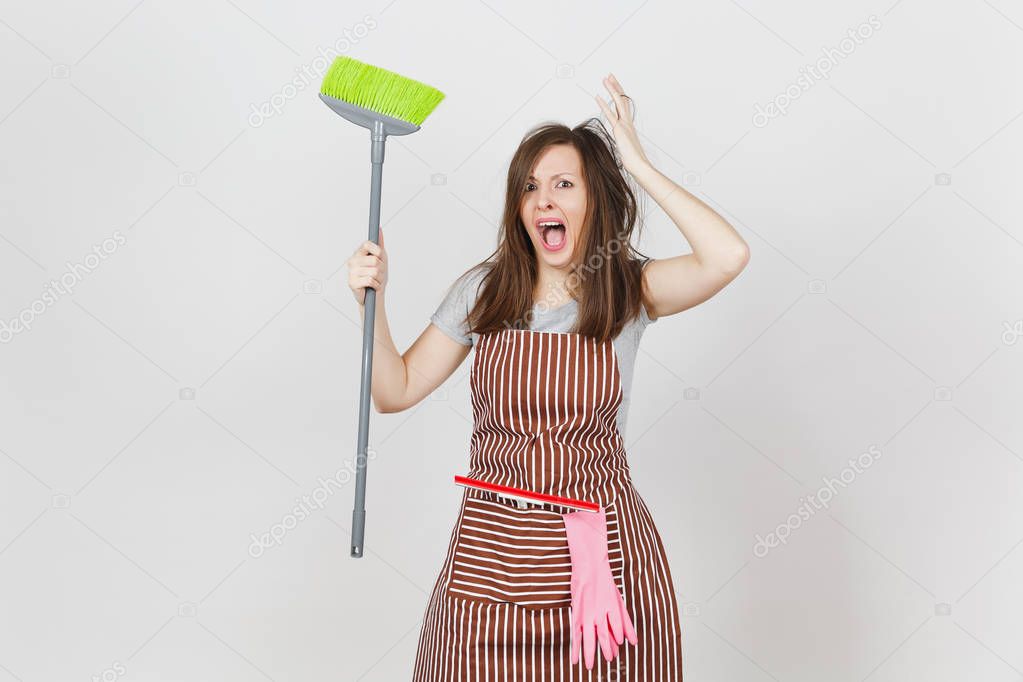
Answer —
598 610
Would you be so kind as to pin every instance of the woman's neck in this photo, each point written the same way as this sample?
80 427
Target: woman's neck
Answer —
552 290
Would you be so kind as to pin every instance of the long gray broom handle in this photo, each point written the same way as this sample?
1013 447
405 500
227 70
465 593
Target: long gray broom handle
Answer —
378 137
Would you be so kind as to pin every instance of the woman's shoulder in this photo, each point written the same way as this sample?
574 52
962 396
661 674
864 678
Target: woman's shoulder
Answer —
452 313
469 282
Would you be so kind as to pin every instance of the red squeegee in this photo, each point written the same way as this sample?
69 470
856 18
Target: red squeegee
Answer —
527 495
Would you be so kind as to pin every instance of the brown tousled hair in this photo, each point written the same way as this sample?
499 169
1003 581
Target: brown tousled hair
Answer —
605 274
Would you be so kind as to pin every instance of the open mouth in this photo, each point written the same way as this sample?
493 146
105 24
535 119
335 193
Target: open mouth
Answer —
552 233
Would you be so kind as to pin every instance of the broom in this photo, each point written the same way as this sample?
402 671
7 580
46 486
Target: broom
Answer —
386 103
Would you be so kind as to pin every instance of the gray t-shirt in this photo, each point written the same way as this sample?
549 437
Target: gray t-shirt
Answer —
450 318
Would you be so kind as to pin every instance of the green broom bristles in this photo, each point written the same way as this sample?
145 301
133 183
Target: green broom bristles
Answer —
380 90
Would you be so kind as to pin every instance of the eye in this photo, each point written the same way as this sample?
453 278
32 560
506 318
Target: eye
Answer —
529 184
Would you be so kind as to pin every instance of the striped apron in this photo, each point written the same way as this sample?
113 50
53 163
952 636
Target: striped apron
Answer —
544 419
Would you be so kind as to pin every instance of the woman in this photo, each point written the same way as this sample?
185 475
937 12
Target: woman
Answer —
555 315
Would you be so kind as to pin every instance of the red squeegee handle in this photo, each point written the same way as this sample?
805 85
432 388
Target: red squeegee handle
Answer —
528 494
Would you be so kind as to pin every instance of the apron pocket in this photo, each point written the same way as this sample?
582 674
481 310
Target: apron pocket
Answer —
519 556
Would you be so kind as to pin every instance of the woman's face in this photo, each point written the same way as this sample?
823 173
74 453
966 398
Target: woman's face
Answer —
555 192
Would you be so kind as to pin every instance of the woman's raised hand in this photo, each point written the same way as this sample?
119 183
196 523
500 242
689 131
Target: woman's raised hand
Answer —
368 268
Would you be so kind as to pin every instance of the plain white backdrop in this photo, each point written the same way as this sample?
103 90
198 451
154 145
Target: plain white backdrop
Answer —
831 447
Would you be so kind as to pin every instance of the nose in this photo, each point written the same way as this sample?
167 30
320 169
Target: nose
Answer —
543 201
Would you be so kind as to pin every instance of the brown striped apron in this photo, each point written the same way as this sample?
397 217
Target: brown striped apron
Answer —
545 408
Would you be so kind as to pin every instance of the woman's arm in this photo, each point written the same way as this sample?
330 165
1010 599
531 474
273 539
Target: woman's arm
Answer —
672 285
719 253
402 380
399 381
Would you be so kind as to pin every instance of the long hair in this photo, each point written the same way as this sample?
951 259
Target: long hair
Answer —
605 275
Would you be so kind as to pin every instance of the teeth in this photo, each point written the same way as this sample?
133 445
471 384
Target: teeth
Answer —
550 223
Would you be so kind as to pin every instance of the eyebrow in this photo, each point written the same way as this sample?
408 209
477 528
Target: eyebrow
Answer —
531 177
